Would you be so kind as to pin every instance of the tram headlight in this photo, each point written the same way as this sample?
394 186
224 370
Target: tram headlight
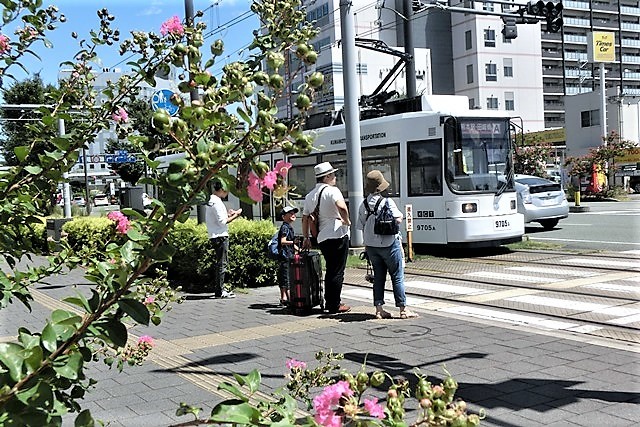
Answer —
469 207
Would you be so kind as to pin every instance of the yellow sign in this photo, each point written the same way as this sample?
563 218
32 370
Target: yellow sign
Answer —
549 136
601 46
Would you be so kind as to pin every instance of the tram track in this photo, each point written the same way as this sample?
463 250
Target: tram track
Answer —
594 300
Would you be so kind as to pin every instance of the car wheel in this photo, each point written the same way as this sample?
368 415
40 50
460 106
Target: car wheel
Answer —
548 224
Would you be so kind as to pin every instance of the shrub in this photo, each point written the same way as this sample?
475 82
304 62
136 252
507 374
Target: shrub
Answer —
192 258
88 235
248 262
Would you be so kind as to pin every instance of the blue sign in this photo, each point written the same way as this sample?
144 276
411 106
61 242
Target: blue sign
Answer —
121 156
162 99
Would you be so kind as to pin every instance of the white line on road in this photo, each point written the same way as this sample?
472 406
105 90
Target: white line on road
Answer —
605 262
584 241
367 295
626 320
501 316
612 287
632 252
606 309
514 277
442 287
553 270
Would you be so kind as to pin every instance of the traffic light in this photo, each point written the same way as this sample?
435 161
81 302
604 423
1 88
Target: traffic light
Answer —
509 30
551 11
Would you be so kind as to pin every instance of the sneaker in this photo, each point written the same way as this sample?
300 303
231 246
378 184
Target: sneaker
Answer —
343 308
225 294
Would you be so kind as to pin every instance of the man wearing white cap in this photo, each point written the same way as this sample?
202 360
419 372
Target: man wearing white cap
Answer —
333 232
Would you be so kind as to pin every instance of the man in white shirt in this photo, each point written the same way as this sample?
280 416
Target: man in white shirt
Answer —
333 233
217 218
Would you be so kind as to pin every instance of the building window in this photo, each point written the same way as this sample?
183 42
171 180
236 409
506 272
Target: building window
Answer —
487 6
468 42
492 103
472 103
469 73
508 67
590 118
490 38
509 103
491 72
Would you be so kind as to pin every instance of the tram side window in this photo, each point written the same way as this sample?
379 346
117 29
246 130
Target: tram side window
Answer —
387 160
424 159
301 176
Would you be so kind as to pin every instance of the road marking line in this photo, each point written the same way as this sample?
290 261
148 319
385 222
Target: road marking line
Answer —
605 262
514 277
612 287
632 279
443 287
498 295
366 295
583 241
583 281
585 329
506 317
632 252
553 270
626 320
557 303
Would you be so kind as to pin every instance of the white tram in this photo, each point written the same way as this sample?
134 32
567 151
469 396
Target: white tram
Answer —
452 164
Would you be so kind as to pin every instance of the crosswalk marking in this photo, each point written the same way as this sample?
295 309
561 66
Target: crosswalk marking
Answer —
553 270
632 279
605 262
626 320
443 287
367 295
514 277
632 252
612 287
501 316
557 303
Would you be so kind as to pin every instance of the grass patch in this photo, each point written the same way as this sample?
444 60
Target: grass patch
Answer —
535 244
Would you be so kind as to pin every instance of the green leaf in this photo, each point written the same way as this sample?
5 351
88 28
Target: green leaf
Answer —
11 357
33 170
49 338
234 412
253 380
33 358
136 236
162 253
233 390
38 395
113 330
21 152
240 379
80 301
244 115
47 43
71 367
84 419
136 310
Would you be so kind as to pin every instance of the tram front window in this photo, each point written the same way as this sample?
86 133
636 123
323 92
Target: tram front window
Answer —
478 154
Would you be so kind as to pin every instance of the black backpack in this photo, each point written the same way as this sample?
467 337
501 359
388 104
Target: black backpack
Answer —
385 224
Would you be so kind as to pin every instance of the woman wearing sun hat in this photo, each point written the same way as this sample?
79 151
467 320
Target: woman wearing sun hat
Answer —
384 251
333 234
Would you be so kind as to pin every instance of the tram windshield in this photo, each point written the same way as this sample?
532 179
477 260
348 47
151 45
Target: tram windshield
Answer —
478 154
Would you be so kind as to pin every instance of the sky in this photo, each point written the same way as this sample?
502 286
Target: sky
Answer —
229 20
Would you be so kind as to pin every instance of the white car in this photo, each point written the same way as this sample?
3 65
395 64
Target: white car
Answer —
541 200
101 199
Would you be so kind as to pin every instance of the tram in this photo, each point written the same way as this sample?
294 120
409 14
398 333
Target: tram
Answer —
451 164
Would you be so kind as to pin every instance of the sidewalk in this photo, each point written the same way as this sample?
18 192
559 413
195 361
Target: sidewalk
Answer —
520 377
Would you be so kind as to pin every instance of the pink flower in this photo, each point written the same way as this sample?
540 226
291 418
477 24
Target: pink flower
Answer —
293 363
4 44
282 168
146 339
328 419
149 300
122 222
120 116
372 407
270 180
172 26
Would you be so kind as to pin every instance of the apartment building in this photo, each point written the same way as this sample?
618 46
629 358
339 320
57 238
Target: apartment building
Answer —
565 68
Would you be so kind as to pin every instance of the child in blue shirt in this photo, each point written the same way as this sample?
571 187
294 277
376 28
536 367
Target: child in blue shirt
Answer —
286 248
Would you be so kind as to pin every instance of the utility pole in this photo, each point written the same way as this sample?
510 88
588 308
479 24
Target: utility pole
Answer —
410 68
352 118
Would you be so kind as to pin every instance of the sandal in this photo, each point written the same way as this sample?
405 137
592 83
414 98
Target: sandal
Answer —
284 302
383 314
406 314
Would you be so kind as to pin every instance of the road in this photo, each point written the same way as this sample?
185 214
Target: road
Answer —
608 226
